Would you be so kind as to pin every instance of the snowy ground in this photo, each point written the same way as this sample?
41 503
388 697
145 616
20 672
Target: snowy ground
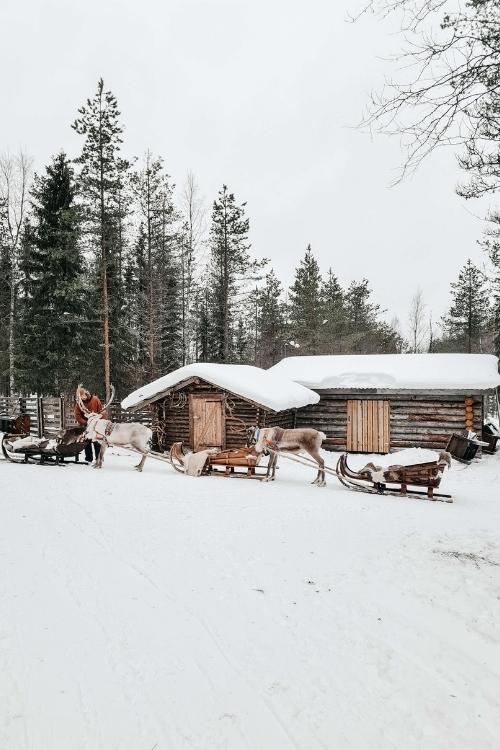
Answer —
159 611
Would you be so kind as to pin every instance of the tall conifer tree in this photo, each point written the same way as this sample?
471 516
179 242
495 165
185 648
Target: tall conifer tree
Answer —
162 241
333 314
467 318
270 323
56 327
231 271
305 305
102 177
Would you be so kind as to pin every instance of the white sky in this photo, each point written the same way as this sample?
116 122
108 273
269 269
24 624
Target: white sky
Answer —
259 94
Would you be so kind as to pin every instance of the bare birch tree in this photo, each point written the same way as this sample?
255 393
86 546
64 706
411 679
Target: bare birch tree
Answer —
193 209
445 89
417 325
15 176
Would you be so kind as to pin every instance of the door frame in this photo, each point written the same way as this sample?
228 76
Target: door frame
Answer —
206 397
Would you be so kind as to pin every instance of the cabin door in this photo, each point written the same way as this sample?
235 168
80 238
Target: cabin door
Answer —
368 426
207 422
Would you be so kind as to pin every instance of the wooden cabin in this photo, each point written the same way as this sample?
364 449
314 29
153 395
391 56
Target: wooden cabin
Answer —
383 402
207 405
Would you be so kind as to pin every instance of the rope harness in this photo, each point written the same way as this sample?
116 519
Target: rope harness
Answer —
103 428
274 439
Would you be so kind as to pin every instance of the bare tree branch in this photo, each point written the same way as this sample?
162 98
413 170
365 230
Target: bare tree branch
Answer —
446 89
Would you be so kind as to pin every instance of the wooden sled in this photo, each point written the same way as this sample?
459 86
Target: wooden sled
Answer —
397 480
238 462
40 453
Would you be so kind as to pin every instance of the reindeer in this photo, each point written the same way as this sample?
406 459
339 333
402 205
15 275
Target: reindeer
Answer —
301 440
132 434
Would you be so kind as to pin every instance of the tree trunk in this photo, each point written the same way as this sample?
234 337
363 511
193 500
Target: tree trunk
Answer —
104 263
12 318
225 303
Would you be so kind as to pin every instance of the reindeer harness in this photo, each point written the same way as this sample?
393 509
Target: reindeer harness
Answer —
101 429
274 439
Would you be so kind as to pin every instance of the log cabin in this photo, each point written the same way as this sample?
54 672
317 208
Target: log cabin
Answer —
206 405
379 403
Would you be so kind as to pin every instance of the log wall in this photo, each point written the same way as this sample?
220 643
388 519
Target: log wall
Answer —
425 420
171 421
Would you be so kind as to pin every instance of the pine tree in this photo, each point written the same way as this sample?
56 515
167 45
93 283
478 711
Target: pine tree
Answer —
53 350
102 178
231 272
467 318
333 314
305 305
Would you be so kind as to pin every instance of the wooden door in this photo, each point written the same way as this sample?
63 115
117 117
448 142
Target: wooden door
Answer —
368 426
207 422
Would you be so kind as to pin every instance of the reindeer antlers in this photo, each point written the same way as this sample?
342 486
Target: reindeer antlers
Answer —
82 405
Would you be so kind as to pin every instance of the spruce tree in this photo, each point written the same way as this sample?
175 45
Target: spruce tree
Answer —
102 179
305 306
491 245
53 351
333 314
270 323
231 272
361 318
467 318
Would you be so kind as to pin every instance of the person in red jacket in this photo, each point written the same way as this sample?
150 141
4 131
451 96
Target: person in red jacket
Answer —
93 404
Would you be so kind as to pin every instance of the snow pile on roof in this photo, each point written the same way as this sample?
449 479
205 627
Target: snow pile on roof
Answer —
393 371
265 388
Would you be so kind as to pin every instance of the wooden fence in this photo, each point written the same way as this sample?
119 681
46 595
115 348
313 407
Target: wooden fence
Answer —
50 414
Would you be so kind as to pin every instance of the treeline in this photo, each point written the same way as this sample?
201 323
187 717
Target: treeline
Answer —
110 274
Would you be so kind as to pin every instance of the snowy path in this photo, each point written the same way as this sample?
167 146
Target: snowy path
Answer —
159 611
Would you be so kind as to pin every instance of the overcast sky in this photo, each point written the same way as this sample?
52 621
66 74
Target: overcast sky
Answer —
261 95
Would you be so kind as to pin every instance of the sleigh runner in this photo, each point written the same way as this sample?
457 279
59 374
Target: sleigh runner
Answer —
23 447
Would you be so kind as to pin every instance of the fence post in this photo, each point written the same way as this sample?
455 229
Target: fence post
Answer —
40 415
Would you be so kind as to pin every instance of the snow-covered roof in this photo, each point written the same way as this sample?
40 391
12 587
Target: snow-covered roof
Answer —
270 390
392 371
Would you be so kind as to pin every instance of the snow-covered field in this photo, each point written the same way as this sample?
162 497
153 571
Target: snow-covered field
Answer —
156 611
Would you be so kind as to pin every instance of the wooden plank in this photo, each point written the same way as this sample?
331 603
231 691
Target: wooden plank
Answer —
364 423
380 426
369 426
349 426
359 426
387 437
